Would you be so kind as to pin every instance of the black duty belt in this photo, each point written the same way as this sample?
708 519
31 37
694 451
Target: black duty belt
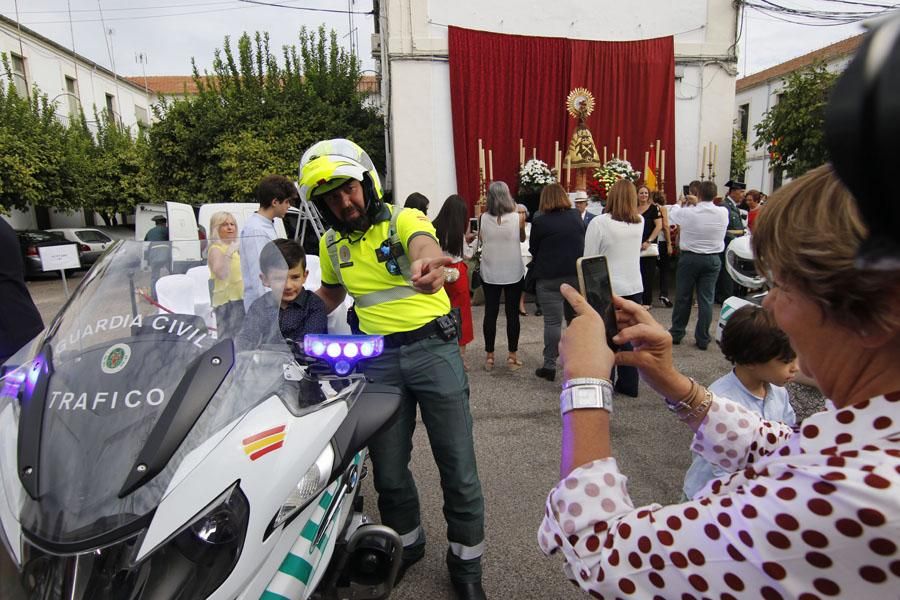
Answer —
443 327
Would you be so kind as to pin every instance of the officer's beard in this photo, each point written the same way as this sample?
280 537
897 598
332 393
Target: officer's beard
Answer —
359 223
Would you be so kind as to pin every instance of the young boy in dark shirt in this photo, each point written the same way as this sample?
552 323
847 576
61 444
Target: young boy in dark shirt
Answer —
296 310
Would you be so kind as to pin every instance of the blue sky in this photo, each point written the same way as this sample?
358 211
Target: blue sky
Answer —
167 33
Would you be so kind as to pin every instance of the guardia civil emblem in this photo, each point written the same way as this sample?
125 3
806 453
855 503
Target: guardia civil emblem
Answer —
115 358
344 254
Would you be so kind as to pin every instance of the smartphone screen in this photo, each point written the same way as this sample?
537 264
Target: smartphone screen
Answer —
593 279
473 225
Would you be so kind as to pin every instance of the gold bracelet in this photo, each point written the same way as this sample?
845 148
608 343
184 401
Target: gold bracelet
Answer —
686 402
698 410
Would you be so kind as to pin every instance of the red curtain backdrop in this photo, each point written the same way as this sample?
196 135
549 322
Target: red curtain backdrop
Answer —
506 87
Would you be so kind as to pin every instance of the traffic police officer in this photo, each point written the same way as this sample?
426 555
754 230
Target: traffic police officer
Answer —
390 262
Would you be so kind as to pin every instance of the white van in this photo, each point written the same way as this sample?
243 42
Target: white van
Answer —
143 218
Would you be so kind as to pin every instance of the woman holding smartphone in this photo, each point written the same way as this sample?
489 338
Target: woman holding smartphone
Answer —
617 234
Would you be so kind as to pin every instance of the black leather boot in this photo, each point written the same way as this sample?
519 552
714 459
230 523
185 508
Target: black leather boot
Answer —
469 590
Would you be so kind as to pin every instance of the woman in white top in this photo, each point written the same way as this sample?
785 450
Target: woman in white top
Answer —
617 234
501 231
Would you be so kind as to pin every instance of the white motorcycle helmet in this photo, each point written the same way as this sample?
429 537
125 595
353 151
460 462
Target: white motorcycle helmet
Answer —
739 264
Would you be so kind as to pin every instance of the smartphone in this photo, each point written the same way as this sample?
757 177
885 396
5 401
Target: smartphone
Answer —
473 225
686 190
593 281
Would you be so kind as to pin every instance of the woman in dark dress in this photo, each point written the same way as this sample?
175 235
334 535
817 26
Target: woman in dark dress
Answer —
649 247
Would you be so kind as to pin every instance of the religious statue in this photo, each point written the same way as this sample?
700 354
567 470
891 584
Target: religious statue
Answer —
582 153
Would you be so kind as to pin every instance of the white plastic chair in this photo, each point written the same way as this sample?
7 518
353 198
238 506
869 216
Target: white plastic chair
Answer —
337 319
202 300
200 277
176 293
314 280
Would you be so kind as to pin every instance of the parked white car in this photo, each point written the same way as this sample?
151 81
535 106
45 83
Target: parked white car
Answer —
91 242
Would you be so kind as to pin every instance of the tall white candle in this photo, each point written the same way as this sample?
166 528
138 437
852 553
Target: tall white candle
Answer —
491 164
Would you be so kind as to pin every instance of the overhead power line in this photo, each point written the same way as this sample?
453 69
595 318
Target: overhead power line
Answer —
326 10
153 7
819 18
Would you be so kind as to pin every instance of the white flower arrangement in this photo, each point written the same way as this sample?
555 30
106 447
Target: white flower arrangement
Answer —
614 170
534 175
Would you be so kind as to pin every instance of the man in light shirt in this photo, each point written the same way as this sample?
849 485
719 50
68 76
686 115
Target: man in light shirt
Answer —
275 195
702 240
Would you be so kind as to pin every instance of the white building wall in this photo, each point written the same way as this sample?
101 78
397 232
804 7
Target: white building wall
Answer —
418 88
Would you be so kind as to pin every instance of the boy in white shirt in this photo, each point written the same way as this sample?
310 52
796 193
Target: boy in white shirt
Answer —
763 362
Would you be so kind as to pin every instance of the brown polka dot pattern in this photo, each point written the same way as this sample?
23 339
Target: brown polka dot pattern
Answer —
811 513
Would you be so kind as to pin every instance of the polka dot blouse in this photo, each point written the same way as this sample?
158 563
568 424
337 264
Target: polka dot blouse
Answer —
808 513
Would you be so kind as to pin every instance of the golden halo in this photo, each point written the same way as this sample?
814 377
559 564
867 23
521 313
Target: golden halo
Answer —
580 102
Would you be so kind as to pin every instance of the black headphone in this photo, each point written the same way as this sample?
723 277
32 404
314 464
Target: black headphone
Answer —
862 130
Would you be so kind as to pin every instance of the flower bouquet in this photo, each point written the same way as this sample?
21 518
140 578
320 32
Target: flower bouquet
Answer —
607 175
534 175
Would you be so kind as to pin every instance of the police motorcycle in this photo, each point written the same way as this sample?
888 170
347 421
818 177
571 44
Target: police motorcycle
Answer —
742 270
146 453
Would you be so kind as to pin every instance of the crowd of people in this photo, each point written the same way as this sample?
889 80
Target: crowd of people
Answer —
770 509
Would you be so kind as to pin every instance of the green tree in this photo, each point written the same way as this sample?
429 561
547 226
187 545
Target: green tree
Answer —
32 151
118 176
738 156
256 114
792 131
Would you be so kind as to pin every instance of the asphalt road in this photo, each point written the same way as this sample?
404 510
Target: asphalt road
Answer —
517 435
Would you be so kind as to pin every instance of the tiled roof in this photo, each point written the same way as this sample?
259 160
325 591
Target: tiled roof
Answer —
170 85
836 50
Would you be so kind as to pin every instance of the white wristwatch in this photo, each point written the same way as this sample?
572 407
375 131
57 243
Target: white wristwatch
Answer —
586 393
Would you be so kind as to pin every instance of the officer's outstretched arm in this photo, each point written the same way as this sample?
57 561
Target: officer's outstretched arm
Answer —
331 296
427 263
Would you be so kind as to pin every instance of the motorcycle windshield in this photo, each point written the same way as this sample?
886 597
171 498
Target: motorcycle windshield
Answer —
122 352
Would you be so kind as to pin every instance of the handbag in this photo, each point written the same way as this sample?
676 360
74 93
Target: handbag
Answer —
476 278
651 251
530 280
476 281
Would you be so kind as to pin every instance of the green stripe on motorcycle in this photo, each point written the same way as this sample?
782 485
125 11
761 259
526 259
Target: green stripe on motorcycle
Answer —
296 567
267 595
309 531
326 500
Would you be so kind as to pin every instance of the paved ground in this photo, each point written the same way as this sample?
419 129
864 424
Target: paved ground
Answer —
517 434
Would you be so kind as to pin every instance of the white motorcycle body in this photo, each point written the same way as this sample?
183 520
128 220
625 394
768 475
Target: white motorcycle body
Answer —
145 455
740 267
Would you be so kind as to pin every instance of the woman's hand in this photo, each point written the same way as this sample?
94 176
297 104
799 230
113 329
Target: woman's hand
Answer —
645 245
652 353
582 348
470 237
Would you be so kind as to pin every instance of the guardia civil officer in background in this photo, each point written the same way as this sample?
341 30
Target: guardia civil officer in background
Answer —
389 260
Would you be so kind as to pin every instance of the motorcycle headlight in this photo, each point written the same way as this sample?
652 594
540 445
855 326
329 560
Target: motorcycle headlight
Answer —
310 485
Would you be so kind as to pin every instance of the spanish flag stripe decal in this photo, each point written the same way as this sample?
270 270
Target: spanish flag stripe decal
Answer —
263 434
251 448
266 450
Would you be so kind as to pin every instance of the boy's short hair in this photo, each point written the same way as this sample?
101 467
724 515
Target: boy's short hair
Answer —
274 187
280 253
751 336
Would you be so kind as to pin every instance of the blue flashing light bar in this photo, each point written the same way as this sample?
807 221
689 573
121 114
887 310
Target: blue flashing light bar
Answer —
342 352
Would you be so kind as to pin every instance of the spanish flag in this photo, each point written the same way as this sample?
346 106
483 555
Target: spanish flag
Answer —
650 169
257 446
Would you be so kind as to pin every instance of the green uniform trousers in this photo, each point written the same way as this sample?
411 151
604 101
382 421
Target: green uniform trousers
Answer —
430 374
